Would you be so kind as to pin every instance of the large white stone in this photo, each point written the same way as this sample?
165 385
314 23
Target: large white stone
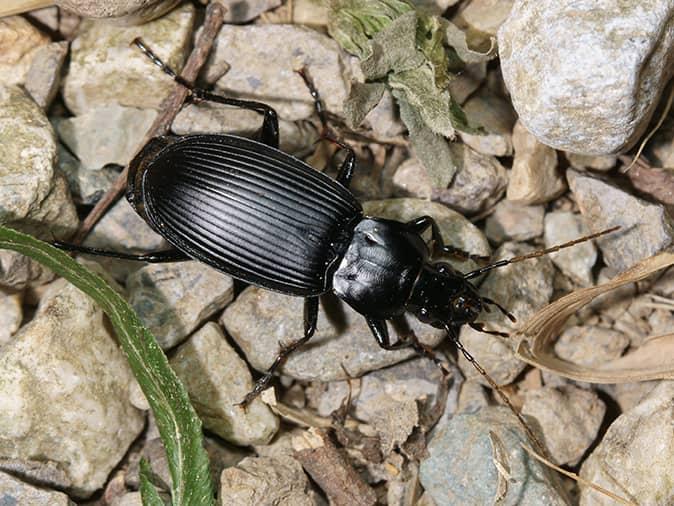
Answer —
585 76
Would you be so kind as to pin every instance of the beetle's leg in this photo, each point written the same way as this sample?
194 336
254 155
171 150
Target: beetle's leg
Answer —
419 225
310 319
349 164
170 255
270 131
380 332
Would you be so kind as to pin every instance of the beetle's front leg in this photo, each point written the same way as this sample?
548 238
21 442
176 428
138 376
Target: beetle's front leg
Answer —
381 335
419 225
310 319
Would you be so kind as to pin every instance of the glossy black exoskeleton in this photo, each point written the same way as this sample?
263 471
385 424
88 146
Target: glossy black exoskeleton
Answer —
265 217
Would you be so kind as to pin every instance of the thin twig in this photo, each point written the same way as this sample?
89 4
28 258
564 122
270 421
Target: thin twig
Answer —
577 478
168 110
657 126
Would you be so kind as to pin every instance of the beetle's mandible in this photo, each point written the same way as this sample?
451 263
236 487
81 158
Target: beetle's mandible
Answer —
260 215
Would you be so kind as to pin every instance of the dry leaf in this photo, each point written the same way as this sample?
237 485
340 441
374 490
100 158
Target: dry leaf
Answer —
648 362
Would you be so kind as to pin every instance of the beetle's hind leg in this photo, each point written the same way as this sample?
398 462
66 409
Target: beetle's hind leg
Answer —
269 133
419 225
310 319
345 173
170 255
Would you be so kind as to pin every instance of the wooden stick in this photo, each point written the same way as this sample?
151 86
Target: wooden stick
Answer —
168 110
11 7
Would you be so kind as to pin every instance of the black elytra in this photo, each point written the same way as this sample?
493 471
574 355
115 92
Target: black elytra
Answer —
260 215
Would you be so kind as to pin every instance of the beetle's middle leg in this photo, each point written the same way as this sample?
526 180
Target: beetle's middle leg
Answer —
269 133
310 319
419 225
156 257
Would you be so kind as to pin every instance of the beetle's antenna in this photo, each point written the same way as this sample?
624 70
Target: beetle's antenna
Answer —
508 314
138 42
451 333
534 254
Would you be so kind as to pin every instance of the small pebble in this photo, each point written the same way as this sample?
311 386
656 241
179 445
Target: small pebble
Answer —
108 134
105 69
20 41
11 314
461 468
598 163
645 230
173 299
591 345
569 417
263 60
128 12
497 117
534 178
266 480
634 458
513 221
576 262
586 77
44 75
86 186
16 492
217 379
238 12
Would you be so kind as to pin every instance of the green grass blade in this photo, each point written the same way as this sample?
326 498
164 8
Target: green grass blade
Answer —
178 424
148 493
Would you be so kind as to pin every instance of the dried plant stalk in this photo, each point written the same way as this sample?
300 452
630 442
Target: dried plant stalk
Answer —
650 361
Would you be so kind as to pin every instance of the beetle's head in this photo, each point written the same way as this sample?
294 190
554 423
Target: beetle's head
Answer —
441 296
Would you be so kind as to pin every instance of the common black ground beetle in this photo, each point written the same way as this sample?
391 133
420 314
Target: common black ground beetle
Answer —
260 215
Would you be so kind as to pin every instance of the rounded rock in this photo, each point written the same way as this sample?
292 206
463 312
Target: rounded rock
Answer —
585 76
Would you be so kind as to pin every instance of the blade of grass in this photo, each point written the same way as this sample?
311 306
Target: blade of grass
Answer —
178 423
148 492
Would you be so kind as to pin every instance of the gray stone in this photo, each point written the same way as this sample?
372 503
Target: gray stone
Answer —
128 499
384 119
296 138
266 481
590 345
64 385
106 134
576 262
259 320
11 314
86 186
132 12
34 198
518 222
44 75
461 468
463 85
16 492
534 178
485 16
104 69
478 183
645 230
497 117
660 149
242 12
20 41
217 379
173 299
599 163
263 60
634 458
569 417
586 77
